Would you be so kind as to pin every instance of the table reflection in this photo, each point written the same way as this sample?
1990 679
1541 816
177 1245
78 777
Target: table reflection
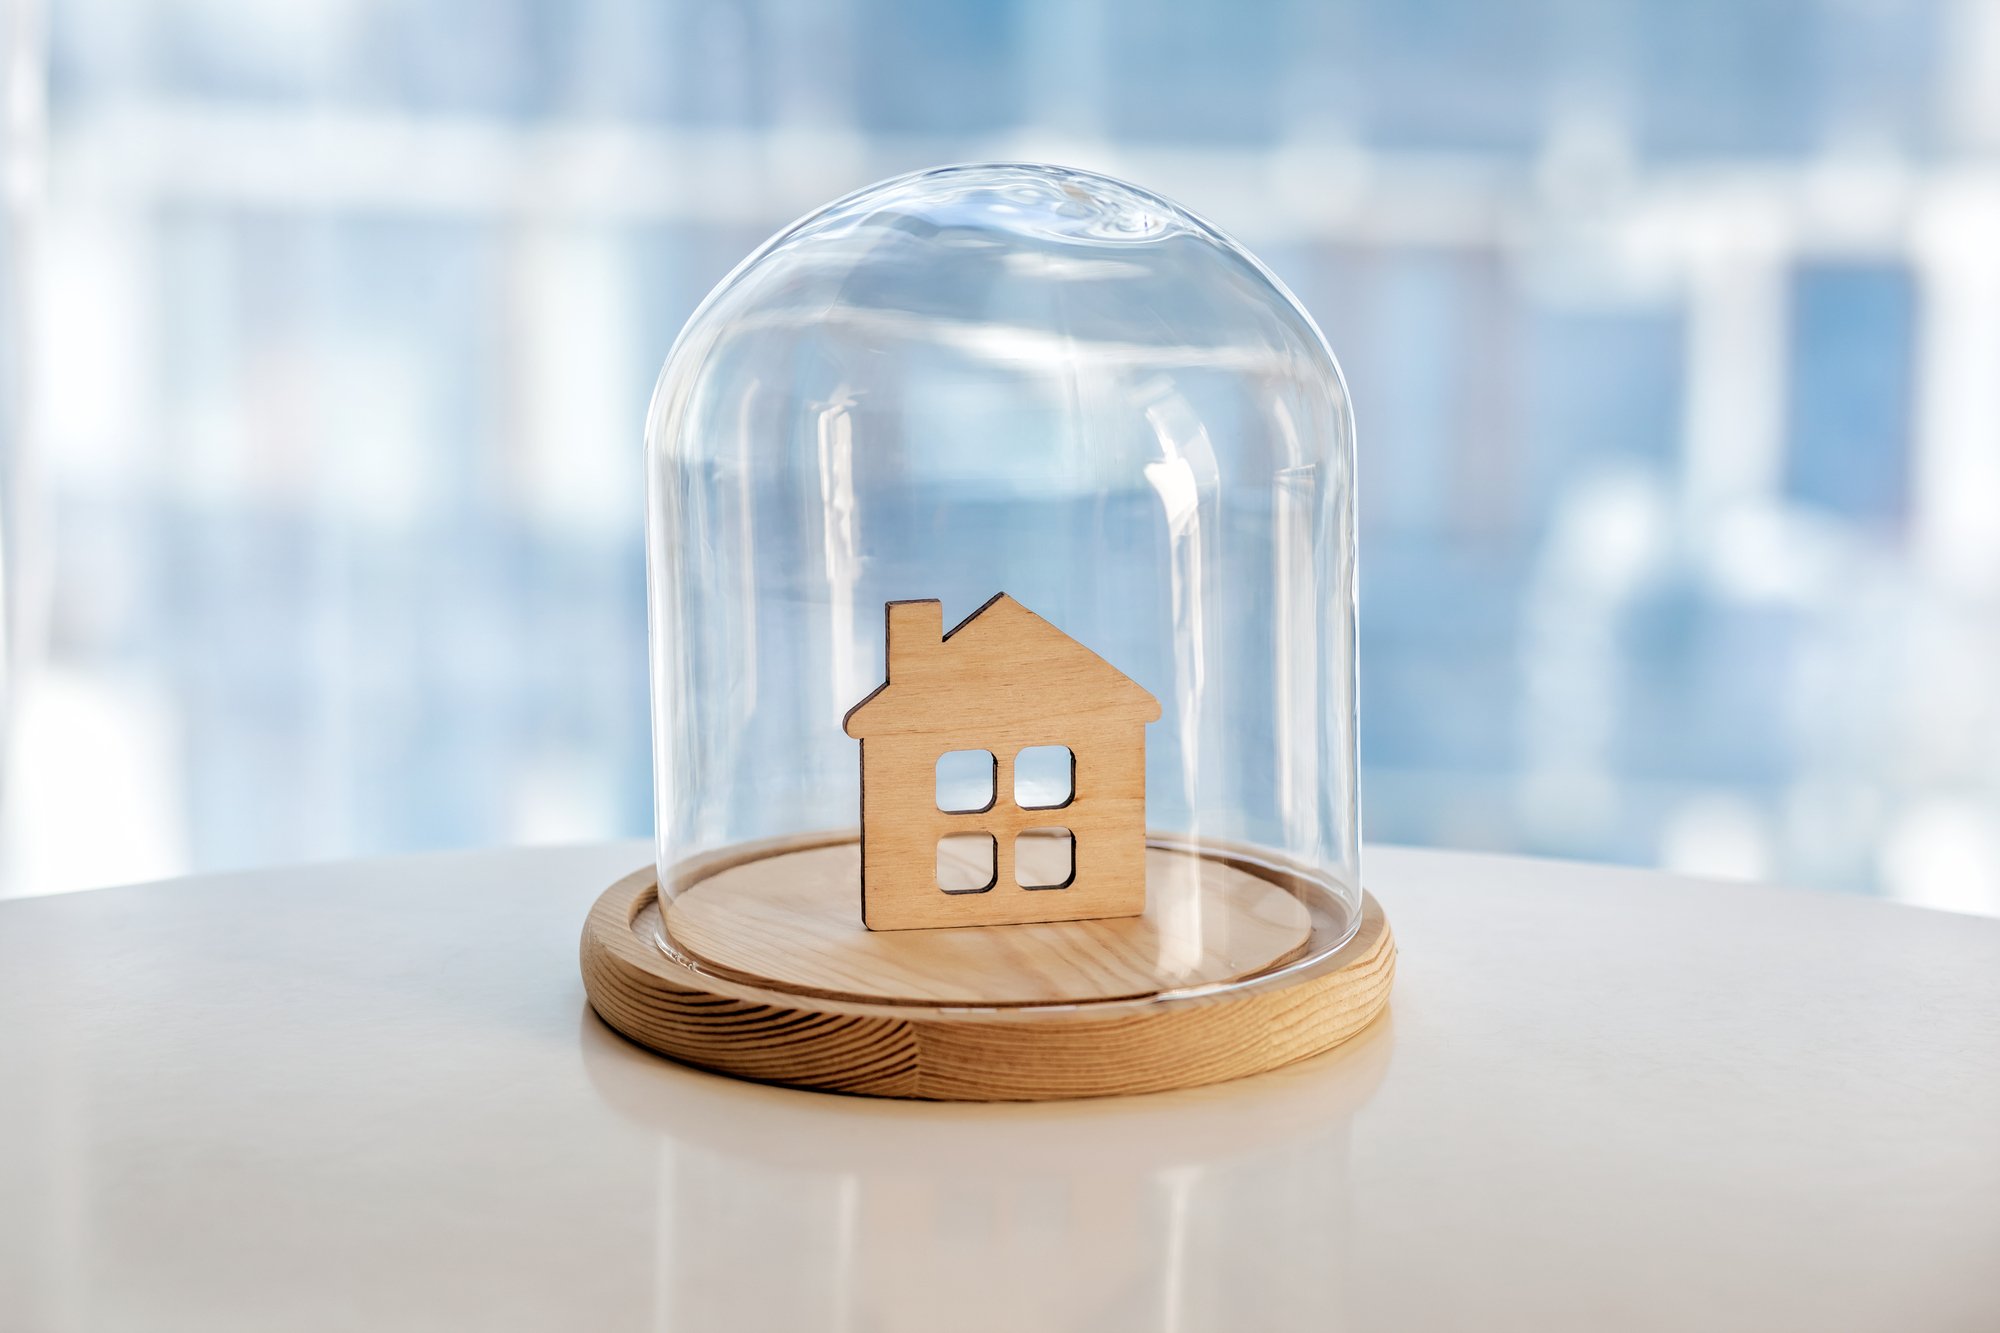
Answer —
1223 1208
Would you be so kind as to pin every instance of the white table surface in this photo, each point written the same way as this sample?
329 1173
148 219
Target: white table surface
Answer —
371 1096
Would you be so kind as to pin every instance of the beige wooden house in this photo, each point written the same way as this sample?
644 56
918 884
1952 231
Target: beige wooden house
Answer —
1003 682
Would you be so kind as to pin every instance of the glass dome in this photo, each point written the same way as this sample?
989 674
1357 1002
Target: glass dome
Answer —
1020 380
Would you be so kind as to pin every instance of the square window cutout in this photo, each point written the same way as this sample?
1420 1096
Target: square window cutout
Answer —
965 780
967 862
1045 858
1044 777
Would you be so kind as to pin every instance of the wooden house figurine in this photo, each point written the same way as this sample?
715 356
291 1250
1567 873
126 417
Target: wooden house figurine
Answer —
1003 682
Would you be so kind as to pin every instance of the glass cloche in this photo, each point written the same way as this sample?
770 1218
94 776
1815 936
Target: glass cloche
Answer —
1001 544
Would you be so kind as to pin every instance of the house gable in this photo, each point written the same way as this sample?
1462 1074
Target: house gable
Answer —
1001 667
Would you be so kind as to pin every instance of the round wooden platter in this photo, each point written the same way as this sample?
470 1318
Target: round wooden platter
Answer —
778 982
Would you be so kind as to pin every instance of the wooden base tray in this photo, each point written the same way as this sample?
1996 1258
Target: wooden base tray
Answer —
761 969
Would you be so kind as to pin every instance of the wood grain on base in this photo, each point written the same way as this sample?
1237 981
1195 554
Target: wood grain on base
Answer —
790 921
953 1054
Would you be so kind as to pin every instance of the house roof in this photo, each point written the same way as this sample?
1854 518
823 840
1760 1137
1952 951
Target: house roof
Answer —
1003 664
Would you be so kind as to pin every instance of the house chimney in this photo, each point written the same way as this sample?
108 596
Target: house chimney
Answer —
915 631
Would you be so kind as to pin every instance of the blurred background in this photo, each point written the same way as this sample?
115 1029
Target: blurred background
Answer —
1673 329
